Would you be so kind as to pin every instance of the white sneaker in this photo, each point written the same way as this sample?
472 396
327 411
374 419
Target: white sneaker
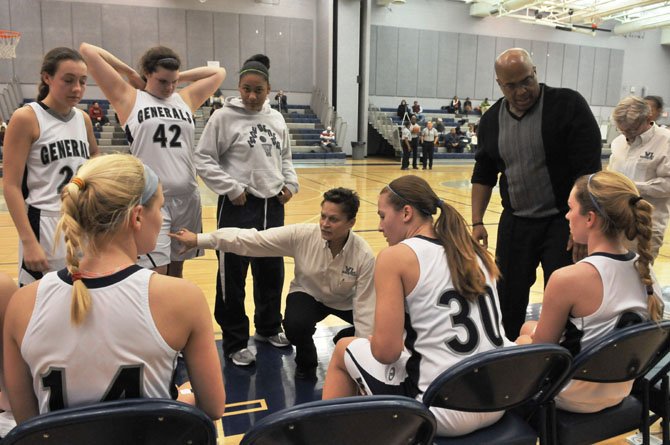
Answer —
243 357
278 340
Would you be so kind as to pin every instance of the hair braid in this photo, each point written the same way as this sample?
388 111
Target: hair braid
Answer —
642 216
74 238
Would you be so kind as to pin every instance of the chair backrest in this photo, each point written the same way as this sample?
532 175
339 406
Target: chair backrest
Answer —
131 421
624 354
364 420
500 379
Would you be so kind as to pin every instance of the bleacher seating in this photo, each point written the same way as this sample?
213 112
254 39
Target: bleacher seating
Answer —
304 127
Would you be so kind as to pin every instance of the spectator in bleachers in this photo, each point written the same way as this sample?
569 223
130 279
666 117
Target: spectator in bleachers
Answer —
609 289
52 120
216 97
405 138
467 106
656 105
452 142
436 306
215 106
161 139
97 115
328 140
484 105
282 101
328 249
642 153
415 129
428 144
104 328
455 106
404 111
244 156
417 111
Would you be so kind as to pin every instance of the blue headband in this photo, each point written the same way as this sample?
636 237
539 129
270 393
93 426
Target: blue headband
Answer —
593 198
150 185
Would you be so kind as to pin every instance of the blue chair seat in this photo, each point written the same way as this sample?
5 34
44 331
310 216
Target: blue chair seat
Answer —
510 430
132 421
364 420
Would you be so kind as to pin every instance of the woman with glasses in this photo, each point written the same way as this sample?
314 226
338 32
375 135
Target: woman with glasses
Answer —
642 153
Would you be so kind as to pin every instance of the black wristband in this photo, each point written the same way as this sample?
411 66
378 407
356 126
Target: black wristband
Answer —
480 223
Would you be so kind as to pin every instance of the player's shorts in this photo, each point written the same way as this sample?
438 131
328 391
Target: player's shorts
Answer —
44 225
183 211
373 377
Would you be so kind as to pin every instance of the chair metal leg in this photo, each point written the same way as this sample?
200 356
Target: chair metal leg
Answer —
645 412
665 414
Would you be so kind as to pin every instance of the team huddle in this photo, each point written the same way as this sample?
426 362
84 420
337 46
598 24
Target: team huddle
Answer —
103 240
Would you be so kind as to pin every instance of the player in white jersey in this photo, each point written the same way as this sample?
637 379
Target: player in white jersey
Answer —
45 144
609 289
7 422
160 128
104 309
437 304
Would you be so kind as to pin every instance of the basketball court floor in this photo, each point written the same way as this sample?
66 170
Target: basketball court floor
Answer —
269 385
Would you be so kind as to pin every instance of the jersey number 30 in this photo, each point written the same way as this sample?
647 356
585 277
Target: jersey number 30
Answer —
125 385
488 314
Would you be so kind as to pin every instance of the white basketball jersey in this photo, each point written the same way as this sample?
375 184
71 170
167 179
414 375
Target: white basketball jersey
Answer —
442 326
160 133
623 293
54 157
116 353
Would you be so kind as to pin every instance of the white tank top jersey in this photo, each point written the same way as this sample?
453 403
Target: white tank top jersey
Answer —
54 157
624 301
116 353
443 327
161 133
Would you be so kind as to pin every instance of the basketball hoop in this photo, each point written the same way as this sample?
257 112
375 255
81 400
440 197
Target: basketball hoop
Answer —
8 42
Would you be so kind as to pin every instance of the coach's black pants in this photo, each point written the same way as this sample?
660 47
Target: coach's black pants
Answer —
302 314
523 243
231 278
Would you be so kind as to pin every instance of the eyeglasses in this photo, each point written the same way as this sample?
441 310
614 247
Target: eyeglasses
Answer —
633 131
526 83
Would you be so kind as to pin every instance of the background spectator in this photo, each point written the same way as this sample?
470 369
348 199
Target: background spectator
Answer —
467 106
97 115
282 101
328 139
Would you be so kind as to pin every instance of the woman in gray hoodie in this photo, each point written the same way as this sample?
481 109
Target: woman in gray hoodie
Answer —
244 155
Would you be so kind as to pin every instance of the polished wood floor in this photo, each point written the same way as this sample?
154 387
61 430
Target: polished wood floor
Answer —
450 181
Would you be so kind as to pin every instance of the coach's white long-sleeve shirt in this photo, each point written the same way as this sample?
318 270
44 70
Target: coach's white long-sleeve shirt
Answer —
343 282
646 160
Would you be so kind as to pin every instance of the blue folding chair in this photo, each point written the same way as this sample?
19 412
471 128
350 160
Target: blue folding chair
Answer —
499 380
362 420
131 421
622 355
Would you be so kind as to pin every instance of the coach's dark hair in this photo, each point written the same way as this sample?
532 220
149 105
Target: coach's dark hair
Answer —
614 198
50 65
159 56
347 199
256 64
462 250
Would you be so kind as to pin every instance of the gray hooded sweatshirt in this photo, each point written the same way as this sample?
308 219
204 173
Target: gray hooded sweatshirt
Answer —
246 150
